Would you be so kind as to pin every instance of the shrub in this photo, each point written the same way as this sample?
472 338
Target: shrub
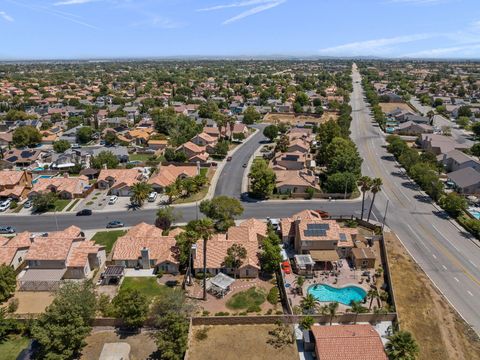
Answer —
279 312
160 274
202 334
272 296
222 313
12 306
269 312
13 205
205 313
253 308
243 313
307 322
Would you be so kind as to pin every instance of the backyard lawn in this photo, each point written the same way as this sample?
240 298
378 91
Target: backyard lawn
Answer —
107 238
146 285
249 300
11 348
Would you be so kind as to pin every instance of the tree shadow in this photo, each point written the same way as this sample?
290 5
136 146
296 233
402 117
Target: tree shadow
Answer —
441 214
410 185
388 157
399 174
423 198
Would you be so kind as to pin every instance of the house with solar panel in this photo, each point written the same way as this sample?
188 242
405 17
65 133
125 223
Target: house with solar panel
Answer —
326 241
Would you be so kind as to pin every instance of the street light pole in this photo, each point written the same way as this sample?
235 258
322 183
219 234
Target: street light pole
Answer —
385 216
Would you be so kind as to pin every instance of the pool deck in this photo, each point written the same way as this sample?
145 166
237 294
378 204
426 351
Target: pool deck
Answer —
346 277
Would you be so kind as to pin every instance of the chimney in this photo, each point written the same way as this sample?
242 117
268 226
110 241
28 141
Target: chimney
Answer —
145 258
194 251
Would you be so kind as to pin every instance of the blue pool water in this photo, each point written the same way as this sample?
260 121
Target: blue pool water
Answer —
41 177
475 213
344 295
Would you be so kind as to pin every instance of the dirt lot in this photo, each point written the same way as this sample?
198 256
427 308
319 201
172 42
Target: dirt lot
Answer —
233 342
387 107
33 302
439 330
142 345
293 119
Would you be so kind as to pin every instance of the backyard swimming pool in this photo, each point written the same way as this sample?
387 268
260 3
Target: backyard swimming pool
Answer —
41 177
344 295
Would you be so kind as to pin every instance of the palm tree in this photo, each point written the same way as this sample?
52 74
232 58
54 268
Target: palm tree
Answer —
231 123
309 304
204 228
372 294
365 184
332 310
172 191
140 192
357 308
402 346
376 187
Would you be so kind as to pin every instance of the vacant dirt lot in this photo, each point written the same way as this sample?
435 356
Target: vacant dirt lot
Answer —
232 342
142 345
439 330
33 302
387 107
294 119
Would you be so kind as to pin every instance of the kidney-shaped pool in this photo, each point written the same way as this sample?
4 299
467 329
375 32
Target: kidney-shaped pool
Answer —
344 295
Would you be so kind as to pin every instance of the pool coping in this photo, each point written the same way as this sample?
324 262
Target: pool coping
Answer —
336 287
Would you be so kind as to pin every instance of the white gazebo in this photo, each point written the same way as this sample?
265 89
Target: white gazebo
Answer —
219 285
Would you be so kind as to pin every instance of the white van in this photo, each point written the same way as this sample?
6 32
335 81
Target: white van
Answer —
152 197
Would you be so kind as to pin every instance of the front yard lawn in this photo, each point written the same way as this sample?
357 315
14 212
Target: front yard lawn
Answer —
12 347
60 204
107 238
146 285
249 300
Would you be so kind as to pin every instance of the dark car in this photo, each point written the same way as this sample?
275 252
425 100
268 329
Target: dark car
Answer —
115 224
84 212
7 230
229 158
244 165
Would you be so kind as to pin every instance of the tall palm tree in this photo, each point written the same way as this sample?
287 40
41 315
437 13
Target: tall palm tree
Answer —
231 123
357 308
365 184
332 310
402 346
204 228
172 191
140 192
372 295
376 187
309 304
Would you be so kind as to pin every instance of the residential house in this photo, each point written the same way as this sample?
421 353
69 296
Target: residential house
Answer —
58 256
299 145
203 139
144 246
466 180
119 181
64 187
13 250
296 181
15 184
413 129
455 160
296 160
440 144
157 144
167 175
22 157
5 139
194 152
359 342
363 258
248 234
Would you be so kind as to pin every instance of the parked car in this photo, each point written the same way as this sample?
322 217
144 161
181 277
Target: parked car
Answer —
152 196
229 158
4 206
286 267
28 204
84 212
244 165
7 230
113 199
115 224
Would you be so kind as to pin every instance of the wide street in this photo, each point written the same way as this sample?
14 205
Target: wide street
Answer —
450 257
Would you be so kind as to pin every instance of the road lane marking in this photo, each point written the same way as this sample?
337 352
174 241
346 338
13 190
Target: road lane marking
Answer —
456 279
444 267
434 256
446 238
471 262
469 293
418 237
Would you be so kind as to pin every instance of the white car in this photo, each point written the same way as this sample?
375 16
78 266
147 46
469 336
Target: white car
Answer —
152 197
5 205
113 199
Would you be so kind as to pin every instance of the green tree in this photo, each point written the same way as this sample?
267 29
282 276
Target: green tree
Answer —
184 242
475 149
61 146
342 156
221 148
208 109
140 192
251 116
8 282
327 131
271 132
270 255
104 158
110 138
222 209
282 144
402 346
166 216
376 188
476 129
236 254
332 310
262 179
307 322
453 203
309 304
26 136
464 110
84 134
44 201
357 308
131 306
341 183
463 121
61 330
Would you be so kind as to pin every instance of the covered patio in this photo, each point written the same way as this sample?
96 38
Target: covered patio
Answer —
219 285
324 259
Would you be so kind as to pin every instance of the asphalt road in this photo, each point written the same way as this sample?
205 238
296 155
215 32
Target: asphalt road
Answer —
450 257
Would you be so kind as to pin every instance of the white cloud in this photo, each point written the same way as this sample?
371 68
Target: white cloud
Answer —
6 17
418 2
159 22
73 2
255 10
236 4
373 47
454 51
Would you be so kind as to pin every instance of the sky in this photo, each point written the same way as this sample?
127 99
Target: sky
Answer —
101 29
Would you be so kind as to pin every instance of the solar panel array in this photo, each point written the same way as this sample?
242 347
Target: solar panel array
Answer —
316 230
343 237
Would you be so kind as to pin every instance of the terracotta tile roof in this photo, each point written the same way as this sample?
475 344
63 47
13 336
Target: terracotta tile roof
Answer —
72 185
206 137
168 174
296 178
121 177
55 246
348 342
193 147
286 223
78 256
161 248
343 236
10 177
175 232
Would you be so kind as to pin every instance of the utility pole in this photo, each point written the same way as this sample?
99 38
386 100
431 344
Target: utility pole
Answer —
346 184
385 215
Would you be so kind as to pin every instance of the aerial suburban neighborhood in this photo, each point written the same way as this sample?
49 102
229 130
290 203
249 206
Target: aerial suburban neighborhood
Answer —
156 204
